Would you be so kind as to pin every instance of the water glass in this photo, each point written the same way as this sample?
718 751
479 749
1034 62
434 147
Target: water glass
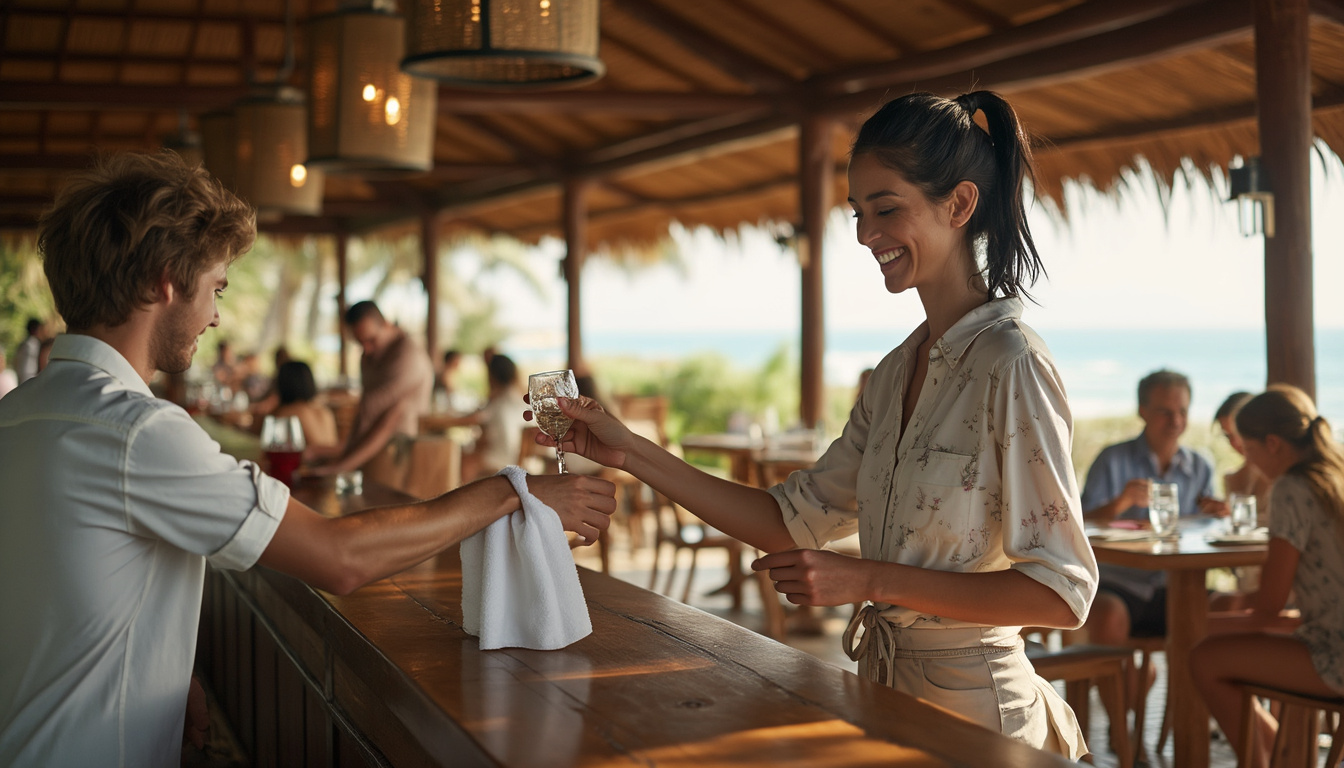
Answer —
1243 514
1164 508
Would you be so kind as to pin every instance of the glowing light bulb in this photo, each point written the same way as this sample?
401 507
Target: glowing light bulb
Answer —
393 110
370 93
298 175
545 8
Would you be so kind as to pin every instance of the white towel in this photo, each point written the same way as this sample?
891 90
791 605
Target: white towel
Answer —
520 587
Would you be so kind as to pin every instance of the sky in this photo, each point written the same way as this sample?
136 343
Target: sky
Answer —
1118 263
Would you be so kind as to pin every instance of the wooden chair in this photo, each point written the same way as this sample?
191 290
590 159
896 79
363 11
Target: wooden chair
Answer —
1082 666
685 532
1147 646
423 467
1295 744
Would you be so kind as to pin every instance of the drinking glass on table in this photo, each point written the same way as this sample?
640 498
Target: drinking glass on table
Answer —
1164 508
282 445
1242 518
542 391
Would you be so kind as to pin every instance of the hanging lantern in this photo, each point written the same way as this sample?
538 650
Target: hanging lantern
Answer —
219 147
271 136
366 115
504 43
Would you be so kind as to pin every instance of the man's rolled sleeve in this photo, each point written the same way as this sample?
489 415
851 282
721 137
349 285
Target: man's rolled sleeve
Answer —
254 535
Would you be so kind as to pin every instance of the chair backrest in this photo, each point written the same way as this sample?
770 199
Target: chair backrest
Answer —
423 467
645 415
536 459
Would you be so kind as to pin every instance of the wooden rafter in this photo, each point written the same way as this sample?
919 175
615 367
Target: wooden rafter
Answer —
784 31
1329 9
990 19
669 66
1079 22
862 22
730 60
1200 26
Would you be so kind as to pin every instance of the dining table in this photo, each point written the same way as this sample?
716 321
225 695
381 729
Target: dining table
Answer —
1186 559
388 676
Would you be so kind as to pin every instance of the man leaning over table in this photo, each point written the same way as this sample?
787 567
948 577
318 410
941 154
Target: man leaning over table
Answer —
397 378
114 500
1130 601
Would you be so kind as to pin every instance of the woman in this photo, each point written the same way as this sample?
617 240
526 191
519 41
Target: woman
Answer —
1286 439
954 466
297 393
1246 479
500 441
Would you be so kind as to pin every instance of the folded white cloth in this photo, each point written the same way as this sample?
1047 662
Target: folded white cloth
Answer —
520 587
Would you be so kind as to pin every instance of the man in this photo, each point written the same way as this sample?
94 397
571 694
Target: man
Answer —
114 500
1132 602
25 357
397 378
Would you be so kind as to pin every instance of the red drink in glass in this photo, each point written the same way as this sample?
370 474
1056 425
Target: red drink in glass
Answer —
284 465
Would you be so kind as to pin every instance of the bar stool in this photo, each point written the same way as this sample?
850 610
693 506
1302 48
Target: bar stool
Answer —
1082 666
1295 744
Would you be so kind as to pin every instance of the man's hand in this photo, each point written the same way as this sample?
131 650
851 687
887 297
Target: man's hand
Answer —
198 715
1135 494
817 577
585 504
595 434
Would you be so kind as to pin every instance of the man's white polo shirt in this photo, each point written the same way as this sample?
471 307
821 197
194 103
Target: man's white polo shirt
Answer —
110 503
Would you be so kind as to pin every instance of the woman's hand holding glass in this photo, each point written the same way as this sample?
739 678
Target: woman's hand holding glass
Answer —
594 434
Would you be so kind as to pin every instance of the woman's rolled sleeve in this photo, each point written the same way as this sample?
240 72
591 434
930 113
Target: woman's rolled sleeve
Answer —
1042 515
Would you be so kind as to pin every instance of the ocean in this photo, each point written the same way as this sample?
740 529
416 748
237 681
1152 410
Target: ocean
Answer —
1101 368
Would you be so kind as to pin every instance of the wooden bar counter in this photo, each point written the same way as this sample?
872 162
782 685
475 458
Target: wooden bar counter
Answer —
387 676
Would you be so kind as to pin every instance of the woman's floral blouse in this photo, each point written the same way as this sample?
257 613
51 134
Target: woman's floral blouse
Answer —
1314 531
981 480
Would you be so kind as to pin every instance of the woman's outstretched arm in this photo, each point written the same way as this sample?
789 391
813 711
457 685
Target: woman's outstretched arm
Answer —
748 514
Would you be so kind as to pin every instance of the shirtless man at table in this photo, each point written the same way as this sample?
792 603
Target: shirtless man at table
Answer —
114 500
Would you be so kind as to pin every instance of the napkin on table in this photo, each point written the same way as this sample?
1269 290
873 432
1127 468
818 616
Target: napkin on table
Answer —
520 587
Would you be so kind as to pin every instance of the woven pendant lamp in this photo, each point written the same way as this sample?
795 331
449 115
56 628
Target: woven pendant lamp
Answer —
504 43
366 115
271 136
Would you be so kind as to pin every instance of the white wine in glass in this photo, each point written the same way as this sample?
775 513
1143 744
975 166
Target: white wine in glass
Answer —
542 390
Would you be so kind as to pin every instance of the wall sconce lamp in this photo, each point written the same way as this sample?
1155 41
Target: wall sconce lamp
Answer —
1249 189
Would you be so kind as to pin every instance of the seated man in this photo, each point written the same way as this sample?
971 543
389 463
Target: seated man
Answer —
1132 602
115 500
397 378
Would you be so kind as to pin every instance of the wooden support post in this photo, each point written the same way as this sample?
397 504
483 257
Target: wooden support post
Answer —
429 246
1283 75
576 250
342 277
816 169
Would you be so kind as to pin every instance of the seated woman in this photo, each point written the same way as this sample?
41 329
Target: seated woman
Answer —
1246 479
297 393
1286 439
500 421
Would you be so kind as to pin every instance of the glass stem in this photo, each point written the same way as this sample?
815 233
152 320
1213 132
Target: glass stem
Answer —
560 458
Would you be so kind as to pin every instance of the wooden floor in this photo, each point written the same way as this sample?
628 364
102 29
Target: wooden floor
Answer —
711 570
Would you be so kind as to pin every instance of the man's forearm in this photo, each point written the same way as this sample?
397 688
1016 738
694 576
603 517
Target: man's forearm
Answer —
343 554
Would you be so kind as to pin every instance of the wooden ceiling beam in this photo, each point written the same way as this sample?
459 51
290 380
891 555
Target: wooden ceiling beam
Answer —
983 15
670 66
1076 23
1206 119
1332 10
144 59
636 103
780 29
275 17
1200 26
112 96
730 60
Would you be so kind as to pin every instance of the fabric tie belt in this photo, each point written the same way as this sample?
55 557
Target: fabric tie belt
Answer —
880 645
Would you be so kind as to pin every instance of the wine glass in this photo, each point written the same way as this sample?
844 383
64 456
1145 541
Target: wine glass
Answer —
1164 508
542 390
282 444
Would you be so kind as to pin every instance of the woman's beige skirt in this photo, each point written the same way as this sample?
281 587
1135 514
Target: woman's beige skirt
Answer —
981 673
